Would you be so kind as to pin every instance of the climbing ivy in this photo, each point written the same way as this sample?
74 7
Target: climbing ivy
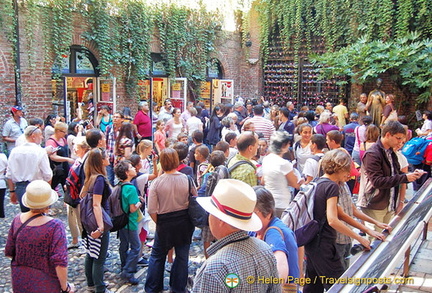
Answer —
407 59
341 22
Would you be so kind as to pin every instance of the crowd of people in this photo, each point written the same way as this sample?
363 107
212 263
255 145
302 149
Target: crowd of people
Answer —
161 158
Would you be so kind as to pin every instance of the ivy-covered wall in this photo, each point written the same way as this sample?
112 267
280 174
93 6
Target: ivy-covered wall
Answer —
122 38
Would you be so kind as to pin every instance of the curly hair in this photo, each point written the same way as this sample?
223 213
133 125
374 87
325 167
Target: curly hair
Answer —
336 161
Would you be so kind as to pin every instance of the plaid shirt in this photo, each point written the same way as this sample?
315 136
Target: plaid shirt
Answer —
346 203
111 136
244 172
246 257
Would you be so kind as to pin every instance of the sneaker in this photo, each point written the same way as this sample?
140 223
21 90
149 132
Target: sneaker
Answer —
143 262
91 289
73 245
168 267
150 244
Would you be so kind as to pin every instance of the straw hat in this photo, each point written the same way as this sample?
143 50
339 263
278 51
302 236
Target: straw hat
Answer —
233 202
39 195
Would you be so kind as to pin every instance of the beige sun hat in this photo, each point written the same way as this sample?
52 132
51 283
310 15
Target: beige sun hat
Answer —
39 195
233 202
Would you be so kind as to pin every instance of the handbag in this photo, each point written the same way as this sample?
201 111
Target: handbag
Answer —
286 287
307 233
198 216
393 116
87 216
15 235
69 200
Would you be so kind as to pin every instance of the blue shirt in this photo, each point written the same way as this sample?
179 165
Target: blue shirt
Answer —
288 244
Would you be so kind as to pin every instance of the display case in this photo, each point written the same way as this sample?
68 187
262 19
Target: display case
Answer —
289 76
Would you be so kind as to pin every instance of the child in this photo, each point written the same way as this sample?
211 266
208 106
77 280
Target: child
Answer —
311 168
217 158
182 137
182 151
140 181
160 136
222 146
144 150
262 149
197 139
130 245
201 155
231 139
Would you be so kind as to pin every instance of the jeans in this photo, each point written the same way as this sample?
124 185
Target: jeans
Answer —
356 157
129 257
94 268
110 173
179 270
20 188
2 196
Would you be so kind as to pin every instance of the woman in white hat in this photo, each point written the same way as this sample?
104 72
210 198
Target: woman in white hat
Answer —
37 244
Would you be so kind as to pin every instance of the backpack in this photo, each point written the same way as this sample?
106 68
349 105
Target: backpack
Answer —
119 217
74 183
221 172
414 150
299 217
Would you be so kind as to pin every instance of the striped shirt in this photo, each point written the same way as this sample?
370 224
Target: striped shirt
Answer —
263 126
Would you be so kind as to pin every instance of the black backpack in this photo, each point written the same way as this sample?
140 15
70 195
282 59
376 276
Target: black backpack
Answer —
119 217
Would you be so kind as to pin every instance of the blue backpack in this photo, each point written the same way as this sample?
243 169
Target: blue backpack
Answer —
414 150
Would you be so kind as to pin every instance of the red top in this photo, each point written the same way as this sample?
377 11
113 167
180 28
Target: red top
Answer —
143 123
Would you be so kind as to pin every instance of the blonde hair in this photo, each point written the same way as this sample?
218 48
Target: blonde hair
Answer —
143 145
81 142
336 161
60 126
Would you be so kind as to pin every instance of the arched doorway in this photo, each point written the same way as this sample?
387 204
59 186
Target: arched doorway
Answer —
77 88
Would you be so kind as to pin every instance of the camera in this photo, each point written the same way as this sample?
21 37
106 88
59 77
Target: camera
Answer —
84 123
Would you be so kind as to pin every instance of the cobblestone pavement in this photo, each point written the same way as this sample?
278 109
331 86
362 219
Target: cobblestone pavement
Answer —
76 258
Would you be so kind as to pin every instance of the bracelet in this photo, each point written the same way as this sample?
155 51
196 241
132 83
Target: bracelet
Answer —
11 191
99 230
68 288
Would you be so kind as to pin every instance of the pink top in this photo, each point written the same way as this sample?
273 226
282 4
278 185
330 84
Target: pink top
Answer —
160 138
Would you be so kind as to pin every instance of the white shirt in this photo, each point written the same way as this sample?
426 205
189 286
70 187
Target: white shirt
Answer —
3 166
274 171
13 130
302 154
311 167
194 123
20 140
403 162
427 125
28 162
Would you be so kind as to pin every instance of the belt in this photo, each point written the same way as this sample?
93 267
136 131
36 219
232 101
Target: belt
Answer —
22 183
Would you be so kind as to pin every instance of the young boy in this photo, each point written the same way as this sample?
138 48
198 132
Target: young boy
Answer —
182 151
217 158
222 146
231 139
311 167
130 245
140 181
201 155
197 139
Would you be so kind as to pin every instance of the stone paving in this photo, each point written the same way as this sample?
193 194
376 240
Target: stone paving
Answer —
76 258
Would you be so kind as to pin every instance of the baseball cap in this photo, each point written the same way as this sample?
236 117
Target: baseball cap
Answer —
16 108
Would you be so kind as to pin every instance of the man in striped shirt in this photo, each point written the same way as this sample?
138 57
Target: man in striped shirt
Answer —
262 125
